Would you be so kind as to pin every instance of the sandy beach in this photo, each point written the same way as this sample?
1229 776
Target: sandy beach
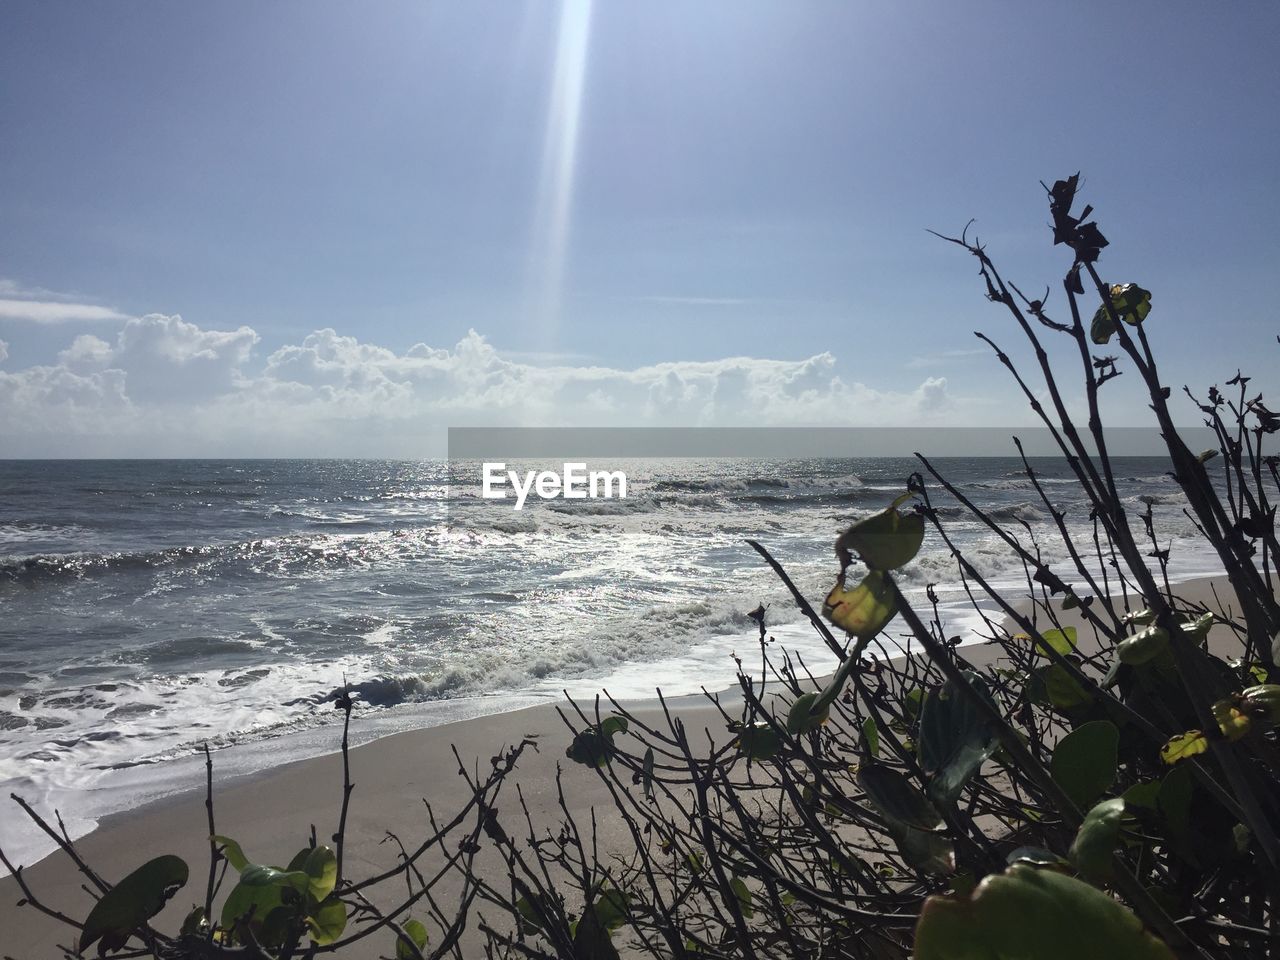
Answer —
270 813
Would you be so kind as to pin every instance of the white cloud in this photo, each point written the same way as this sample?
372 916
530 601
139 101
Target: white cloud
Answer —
167 358
933 394
86 350
55 311
45 409
167 386
4 351
11 288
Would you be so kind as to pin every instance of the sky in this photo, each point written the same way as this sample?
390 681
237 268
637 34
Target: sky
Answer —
335 229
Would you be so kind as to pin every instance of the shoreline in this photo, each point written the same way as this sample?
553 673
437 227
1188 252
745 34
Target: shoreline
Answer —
270 810
129 790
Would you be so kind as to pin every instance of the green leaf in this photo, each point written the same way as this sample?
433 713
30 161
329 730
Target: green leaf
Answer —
320 864
863 611
416 932
759 741
1113 675
326 922
1097 838
885 540
1063 641
955 737
740 891
1035 855
132 902
272 897
1032 914
1144 794
279 925
871 736
259 875
1143 646
1063 690
1197 629
896 797
610 908
1140 618
1085 760
591 940
593 747
1174 800
929 852
1184 745
613 725
532 912
803 717
912 700
1262 702
258 900
232 852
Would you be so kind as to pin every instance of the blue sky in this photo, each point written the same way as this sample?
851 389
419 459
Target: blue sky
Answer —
599 212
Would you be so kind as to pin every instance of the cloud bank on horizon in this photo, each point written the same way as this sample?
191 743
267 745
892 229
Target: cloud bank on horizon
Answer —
162 386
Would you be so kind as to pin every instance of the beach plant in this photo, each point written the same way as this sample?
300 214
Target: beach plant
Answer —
309 907
1097 778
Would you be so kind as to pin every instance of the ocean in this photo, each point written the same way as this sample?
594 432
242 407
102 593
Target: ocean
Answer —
150 607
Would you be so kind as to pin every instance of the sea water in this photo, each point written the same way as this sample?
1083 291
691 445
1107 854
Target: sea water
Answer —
148 608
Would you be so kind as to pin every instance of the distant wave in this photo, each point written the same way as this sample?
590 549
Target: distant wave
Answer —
261 557
74 565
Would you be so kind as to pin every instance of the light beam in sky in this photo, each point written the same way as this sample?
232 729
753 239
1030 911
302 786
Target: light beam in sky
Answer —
559 156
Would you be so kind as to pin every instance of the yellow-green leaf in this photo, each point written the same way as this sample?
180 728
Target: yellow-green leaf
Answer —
1232 721
885 540
1184 745
326 923
1027 913
231 852
416 932
863 611
1063 641
1129 302
871 736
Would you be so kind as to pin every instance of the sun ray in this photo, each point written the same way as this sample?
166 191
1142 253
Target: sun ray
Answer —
559 159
